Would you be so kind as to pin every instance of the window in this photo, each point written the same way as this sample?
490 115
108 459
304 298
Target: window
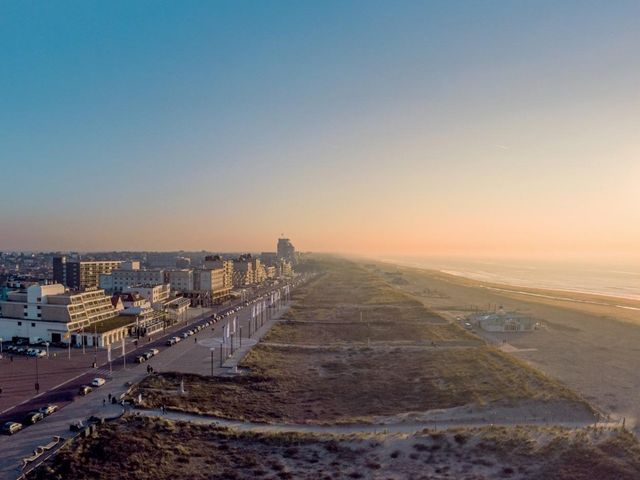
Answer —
19 324
33 324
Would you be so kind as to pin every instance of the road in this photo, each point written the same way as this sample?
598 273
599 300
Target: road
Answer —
190 355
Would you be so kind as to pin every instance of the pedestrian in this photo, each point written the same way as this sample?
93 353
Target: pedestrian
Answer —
195 339
104 402
109 397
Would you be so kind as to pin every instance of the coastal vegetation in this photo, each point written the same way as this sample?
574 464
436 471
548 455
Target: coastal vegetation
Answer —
325 363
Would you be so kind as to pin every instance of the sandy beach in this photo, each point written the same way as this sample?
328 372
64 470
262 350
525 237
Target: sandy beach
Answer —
591 343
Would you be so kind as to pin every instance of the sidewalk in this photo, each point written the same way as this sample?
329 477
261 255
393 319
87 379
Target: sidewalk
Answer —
232 362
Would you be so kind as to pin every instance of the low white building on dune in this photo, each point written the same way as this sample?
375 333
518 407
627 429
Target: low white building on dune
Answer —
504 322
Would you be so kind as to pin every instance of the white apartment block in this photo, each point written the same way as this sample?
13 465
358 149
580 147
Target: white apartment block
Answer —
49 313
181 280
119 279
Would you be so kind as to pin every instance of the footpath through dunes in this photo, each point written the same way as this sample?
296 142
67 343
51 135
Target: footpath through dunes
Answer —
364 369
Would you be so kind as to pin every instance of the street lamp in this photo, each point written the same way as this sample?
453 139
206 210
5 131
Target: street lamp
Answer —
37 385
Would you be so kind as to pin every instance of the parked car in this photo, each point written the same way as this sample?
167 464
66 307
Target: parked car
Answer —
155 351
40 354
147 355
85 390
177 339
48 410
185 335
170 342
140 359
98 382
10 428
33 417
76 426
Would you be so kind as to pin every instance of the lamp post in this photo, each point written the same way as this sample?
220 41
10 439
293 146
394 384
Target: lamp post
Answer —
95 344
37 385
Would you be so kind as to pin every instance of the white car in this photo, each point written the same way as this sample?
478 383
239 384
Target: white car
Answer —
98 382
155 351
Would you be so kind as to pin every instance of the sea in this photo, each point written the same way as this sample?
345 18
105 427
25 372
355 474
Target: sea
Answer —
614 277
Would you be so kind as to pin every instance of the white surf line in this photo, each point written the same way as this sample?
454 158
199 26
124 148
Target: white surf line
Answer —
555 297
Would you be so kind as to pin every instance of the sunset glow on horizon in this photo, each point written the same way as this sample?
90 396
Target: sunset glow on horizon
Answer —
358 127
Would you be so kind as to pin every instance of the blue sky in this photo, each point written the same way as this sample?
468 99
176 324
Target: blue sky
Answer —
236 121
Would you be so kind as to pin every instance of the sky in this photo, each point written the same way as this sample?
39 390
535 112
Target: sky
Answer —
424 127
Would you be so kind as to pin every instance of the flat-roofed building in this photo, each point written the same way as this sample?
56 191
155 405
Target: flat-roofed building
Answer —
145 319
209 287
176 309
243 271
271 272
50 313
213 262
119 279
181 280
183 262
286 250
156 295
81 274
285 269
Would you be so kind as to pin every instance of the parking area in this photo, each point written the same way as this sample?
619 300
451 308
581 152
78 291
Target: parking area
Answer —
20 373
22 376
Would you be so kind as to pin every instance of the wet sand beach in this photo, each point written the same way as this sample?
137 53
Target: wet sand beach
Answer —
591 343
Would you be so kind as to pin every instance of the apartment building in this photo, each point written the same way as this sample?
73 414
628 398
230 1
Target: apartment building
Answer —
243 271
51 313
181 280
286 250
118 280
81 274
213 262
156 295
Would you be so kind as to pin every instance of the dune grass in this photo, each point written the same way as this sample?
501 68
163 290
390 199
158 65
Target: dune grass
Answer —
156 449
345 370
